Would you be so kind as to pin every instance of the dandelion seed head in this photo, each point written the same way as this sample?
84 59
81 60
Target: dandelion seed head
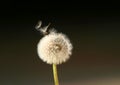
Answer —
54 48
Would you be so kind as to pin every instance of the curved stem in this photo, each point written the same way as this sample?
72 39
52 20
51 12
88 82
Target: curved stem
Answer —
56 81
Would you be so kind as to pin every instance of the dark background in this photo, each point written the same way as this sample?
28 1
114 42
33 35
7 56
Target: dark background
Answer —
94 30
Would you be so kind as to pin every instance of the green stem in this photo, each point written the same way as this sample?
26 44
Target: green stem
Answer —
56 81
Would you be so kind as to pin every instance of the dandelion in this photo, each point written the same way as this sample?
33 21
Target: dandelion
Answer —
54 48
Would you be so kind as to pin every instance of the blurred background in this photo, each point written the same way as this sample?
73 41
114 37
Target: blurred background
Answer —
94 30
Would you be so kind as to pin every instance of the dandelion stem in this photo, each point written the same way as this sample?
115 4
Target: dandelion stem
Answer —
56 81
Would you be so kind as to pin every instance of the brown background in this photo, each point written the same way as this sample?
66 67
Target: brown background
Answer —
93 30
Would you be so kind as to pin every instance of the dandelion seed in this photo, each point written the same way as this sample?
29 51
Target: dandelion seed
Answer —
38 25
44 29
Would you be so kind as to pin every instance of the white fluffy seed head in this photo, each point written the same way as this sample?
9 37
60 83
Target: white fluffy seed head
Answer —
54 48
